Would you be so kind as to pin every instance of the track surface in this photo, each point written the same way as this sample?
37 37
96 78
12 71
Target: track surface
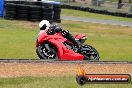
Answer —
18 68
56 61
100 21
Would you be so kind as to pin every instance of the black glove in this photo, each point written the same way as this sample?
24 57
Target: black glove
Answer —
65 33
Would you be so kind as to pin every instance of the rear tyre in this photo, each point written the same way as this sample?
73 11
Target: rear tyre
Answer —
89 53
47 51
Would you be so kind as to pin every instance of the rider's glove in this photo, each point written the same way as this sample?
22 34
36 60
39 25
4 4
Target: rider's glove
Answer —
65 32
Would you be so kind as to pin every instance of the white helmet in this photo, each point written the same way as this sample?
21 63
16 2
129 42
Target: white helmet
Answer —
44 23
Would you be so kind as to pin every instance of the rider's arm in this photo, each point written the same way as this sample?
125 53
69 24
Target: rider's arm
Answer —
54 29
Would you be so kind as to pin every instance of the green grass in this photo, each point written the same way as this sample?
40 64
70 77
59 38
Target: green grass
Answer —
114 43
17 40
77 13
52 82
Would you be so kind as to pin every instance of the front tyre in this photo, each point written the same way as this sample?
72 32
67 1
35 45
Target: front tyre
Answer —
90 53
47 51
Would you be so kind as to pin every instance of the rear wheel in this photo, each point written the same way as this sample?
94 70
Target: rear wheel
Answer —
47 51
90 53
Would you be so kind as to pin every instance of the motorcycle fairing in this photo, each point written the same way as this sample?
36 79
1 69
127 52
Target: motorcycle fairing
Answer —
79 36
63 52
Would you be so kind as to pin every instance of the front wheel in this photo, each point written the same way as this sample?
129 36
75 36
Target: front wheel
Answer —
89 53
47 51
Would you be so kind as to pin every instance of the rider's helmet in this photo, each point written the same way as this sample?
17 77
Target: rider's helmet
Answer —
44 24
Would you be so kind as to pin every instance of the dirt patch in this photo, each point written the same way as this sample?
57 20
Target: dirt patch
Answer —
60 69
26 24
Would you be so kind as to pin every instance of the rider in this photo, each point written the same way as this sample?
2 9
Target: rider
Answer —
45 26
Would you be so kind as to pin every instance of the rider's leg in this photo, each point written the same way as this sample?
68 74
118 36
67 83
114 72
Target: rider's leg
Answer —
72 39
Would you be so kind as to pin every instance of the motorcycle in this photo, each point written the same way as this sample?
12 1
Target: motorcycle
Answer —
57 47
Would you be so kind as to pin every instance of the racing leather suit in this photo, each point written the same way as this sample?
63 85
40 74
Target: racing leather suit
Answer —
55 29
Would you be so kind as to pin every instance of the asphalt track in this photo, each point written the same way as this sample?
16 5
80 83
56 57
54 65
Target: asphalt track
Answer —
100 21
56 61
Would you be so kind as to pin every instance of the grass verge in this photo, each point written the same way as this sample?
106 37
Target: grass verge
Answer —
52 82
18 38
77 13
